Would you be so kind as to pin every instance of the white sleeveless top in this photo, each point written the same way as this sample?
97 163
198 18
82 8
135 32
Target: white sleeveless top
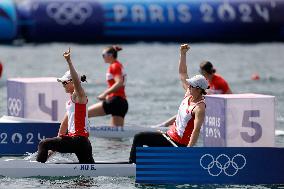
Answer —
183 126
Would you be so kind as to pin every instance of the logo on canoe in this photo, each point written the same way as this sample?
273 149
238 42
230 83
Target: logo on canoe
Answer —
222 163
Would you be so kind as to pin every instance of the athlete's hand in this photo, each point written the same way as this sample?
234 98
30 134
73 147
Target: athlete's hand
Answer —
67 54
184 48
50 153
102 96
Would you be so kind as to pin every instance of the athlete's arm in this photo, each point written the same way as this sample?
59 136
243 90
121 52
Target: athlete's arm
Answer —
79 91
223 84
199 112
118 83
182 65
169 122
63 126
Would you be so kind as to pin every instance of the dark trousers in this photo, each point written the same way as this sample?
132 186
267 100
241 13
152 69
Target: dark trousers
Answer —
79 145
151 139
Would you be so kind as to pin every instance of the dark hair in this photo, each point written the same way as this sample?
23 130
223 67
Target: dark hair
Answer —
113 50
207 67
203 92
84 78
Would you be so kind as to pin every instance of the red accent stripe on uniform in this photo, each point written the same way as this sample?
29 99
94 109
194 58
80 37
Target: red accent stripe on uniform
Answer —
79 120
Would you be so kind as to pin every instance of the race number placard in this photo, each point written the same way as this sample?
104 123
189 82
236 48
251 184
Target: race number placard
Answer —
239 120
36 98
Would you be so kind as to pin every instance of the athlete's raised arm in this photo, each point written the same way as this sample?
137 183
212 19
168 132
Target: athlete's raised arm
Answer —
182 65
79 91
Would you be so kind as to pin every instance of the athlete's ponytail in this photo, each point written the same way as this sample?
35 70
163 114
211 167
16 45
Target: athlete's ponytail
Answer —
84 78
116 48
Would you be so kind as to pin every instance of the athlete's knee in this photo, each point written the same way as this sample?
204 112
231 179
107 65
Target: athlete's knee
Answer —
139 137
96 110
85 158
42 144
91 112
117 121
40 159
42 151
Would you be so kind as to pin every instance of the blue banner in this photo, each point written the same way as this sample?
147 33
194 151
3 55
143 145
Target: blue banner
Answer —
20 138
205 165
8 20
82 19
132 20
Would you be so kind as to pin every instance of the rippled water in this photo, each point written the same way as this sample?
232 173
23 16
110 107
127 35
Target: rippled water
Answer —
153 89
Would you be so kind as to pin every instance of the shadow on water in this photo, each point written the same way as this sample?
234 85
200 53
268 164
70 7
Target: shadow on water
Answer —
114 182
68 182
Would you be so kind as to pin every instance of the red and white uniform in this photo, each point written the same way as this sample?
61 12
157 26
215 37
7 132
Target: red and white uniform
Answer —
77 119
116 69
1 69
218 85
183 126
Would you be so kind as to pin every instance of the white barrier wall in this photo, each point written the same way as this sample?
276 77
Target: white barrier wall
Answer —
239 120
36 98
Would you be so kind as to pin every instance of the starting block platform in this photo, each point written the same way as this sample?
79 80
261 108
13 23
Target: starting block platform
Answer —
239 120
36 98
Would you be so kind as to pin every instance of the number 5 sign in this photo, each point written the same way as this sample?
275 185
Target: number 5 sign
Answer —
239 120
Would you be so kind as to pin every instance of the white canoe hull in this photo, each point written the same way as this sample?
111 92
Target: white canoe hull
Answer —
279 132
120 132
23 168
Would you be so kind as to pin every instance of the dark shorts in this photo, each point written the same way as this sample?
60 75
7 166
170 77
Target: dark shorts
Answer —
79 145
116 106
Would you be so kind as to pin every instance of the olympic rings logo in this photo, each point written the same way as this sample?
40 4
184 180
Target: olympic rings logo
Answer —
222 163
66 13
14 106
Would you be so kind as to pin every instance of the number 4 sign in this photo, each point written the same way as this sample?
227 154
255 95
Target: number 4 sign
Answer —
36 98
239 120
